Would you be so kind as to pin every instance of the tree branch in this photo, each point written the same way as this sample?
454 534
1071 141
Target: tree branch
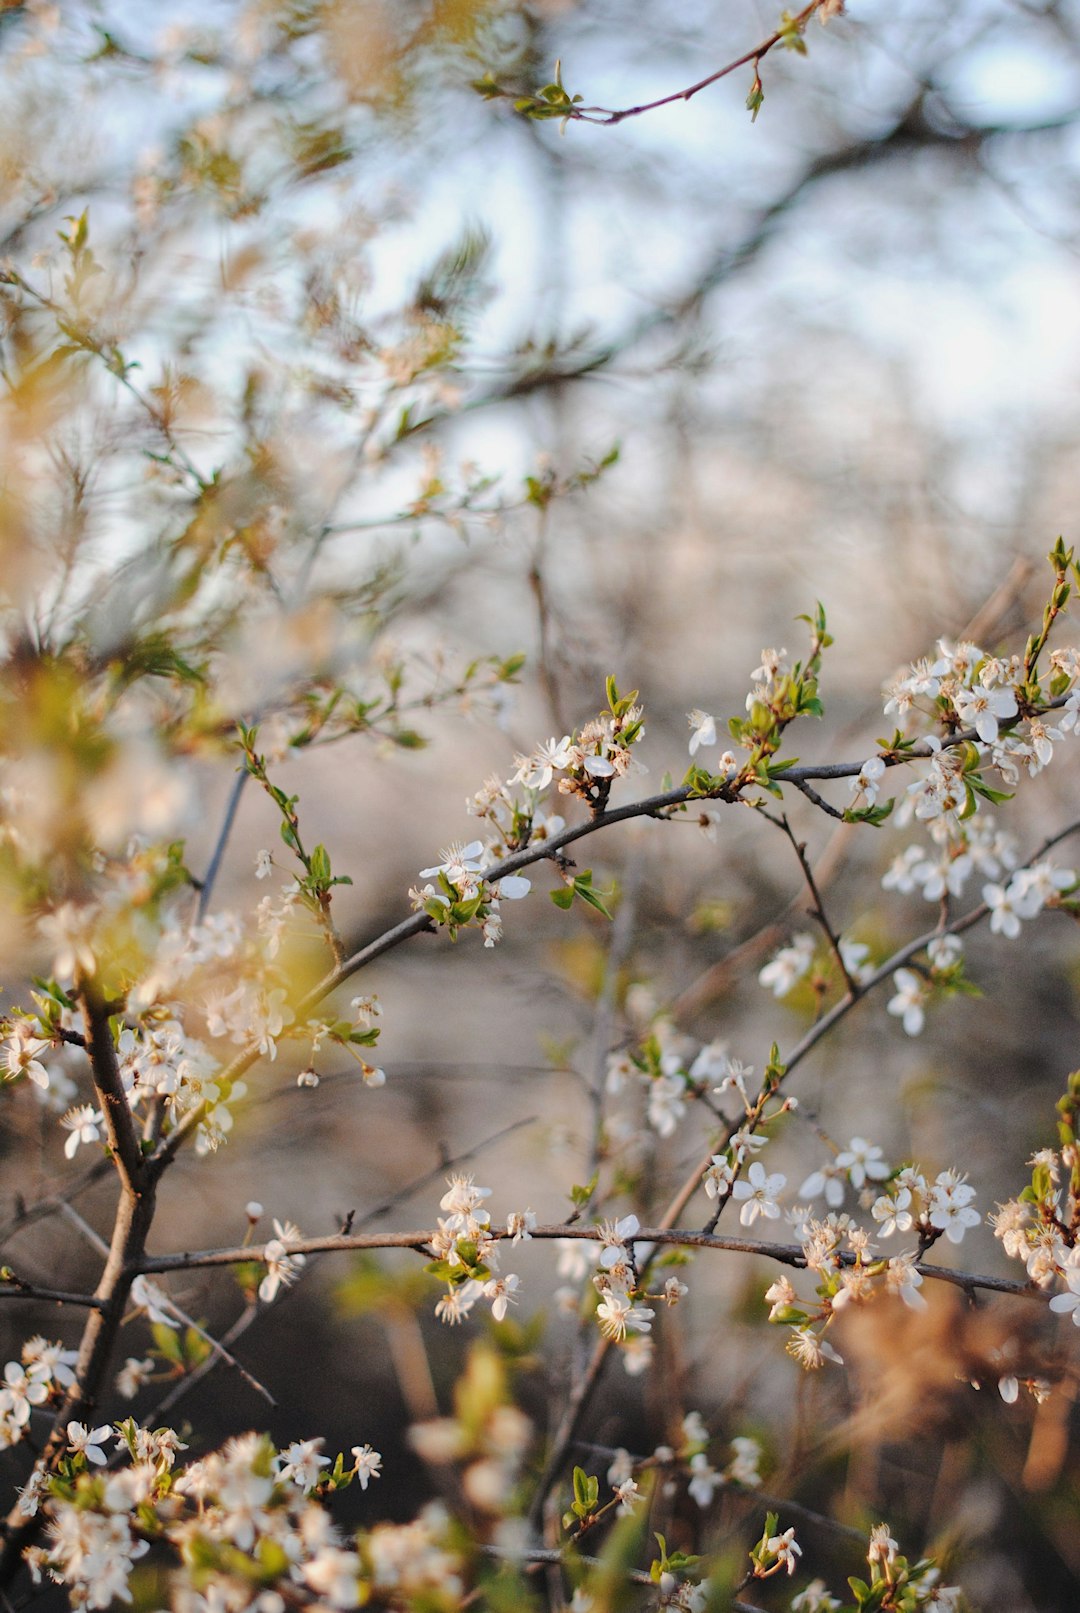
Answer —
786 1254
656 806
793 29
109 1086
13 1286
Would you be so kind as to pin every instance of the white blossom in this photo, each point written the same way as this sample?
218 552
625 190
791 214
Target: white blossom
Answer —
788 966
282 1269
982 709
907 1005
704 730
867 781
759 1191
367 1464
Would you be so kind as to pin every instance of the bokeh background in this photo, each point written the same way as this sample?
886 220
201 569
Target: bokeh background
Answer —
837 351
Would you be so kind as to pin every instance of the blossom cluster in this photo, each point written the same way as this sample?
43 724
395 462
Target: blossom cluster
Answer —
181 972
680 1578
39 1378
467 1254
585 764
893 1582
247 1513
617 1282
672 1072
1041 1225
840 1251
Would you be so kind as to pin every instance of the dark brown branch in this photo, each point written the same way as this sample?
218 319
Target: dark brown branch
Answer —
13 1287
108 1084
133 1220
134 1217
786 1254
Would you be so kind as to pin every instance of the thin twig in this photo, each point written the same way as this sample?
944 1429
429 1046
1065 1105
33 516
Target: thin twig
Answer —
84 1229
190 1380
819 801
120 374
214 865
220 1350
13 1287
541 1556
818 910
606 116
29 1215
824 1025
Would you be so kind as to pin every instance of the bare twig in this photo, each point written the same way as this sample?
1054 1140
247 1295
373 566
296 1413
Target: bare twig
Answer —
785 1254
192 1379
751 58
542 1556
84 1229
13 1287
206 890
818 909
54 1203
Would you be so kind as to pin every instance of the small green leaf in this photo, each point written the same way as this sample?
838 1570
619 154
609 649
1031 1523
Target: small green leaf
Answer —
580 1196
167 1341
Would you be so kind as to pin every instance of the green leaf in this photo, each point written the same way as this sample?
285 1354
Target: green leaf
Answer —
874 815
790 36
196 1348
790 1315
167 1341
583 887
563 898
488 87
586 1492
995 797
580 1196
